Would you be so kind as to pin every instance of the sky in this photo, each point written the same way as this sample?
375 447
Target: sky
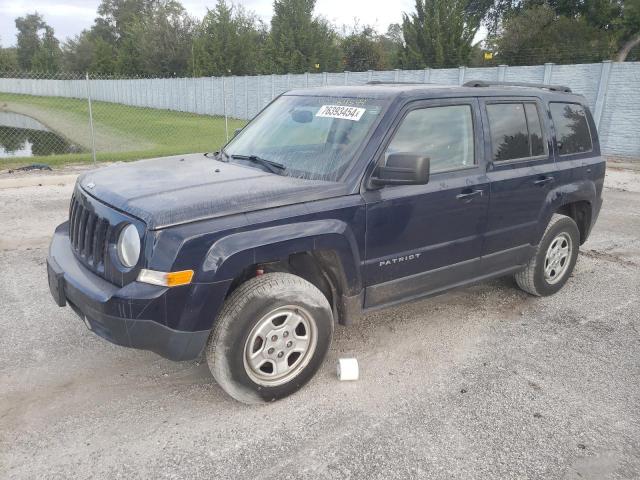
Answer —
70 17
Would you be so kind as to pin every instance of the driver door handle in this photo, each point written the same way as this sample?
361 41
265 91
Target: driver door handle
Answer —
467 195
543 180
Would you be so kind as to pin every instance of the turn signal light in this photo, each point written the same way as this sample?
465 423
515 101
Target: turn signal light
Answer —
166 279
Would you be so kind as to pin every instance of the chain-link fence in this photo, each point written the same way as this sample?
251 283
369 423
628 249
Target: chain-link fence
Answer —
73 118
65 119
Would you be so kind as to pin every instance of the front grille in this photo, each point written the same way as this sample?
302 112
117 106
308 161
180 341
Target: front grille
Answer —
88 233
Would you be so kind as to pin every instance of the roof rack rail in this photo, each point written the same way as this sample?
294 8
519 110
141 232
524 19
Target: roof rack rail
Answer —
382 82
482 83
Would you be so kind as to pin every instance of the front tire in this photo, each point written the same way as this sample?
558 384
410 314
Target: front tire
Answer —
271 337
554 260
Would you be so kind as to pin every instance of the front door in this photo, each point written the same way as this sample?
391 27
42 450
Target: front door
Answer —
421 239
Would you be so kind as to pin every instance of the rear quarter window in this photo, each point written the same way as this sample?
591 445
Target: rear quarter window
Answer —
572 128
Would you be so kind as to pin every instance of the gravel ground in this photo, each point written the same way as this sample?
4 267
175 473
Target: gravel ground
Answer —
485 382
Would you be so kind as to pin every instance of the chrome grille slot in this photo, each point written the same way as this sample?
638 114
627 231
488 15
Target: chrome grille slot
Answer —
99 240
82 222
88 233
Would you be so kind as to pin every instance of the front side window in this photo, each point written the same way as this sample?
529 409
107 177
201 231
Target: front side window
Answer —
572 129
314 138
516 131
444 134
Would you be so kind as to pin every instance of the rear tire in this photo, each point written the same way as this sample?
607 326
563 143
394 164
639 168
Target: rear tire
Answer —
554 260
270 338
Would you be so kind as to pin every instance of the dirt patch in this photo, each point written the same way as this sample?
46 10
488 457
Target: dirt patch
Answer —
483 382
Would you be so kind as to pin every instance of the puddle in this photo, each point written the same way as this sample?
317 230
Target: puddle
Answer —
23 136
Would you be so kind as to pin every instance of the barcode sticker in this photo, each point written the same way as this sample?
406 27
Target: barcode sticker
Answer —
342 112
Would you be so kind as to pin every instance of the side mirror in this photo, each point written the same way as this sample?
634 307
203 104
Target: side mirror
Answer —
403 169
236 132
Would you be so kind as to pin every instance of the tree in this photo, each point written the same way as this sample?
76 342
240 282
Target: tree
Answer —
392 44
440 33
47 56
8 60
119 24
363 50
88 52
134 37
117 16
103 60
629 31
163 39
78 52
617 20
299 41
37 46
537 35
229 40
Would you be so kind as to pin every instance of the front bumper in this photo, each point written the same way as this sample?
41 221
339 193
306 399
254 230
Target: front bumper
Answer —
132 316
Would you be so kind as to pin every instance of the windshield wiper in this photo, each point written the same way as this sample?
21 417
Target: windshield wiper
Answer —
273 167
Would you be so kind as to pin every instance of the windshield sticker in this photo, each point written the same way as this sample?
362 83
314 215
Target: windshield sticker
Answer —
344 113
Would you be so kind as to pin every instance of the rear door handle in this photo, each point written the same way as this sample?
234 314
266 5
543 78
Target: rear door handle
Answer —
544 180
467 196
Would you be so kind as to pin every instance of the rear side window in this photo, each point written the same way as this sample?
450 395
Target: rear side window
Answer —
572 128
444 134
516 131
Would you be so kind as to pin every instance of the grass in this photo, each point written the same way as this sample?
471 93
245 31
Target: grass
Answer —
122 133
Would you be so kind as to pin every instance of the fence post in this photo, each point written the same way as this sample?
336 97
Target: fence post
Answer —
325 79
213 95
273 86
306 79
93 136
396 75
548 71
233 96
246 97
461 71
603 86
224 108
426 75
502 72
369 75
346 77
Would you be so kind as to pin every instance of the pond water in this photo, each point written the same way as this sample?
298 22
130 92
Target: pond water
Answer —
22 136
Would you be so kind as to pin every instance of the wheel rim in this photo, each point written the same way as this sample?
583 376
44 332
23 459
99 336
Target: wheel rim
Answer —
280 345
557 259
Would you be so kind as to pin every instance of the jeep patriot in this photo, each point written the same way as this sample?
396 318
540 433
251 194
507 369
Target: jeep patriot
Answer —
330 203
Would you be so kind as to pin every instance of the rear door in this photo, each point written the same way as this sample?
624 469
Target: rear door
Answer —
521 172
423 238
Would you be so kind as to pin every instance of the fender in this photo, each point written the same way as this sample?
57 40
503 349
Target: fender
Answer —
229 256
578 191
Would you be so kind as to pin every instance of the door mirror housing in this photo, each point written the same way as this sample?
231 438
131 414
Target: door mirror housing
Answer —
403 169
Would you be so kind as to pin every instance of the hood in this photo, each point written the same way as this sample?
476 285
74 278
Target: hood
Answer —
185 188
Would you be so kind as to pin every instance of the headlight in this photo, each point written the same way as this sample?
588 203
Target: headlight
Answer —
129 246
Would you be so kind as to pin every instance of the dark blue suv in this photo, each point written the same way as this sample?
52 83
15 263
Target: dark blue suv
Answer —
332 202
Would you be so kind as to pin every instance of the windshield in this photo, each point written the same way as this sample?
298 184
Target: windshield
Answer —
310 137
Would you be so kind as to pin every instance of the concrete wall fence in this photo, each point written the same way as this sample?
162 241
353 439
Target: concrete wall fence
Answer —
612 91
